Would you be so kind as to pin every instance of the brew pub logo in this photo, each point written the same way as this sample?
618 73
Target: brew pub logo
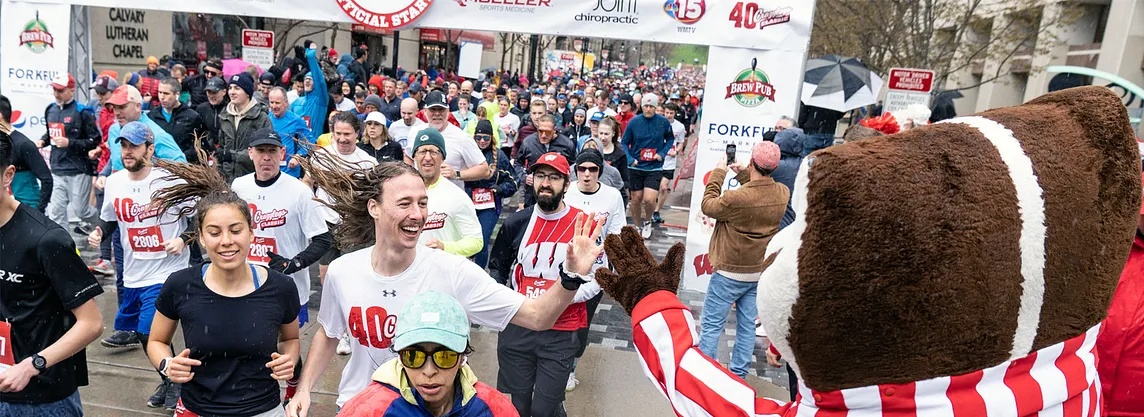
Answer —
266 219
36 36
751 87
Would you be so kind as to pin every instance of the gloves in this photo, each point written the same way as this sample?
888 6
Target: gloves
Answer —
637 274
223 156
281 264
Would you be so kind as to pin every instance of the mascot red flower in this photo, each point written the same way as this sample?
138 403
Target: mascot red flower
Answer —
957 269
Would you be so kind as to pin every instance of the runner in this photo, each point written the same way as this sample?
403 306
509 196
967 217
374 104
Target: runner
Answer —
463 159
47 309
646 140
487 195
30 165
377 142
670 110
590 195
452 225
289 230
229 368
386 209
528 254
153 243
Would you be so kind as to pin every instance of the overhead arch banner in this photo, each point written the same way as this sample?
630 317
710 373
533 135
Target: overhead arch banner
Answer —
757 24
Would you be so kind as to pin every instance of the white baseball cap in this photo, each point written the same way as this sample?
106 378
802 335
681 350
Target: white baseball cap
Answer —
376 117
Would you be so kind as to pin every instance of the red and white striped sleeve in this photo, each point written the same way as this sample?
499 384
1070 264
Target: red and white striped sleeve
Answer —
696 385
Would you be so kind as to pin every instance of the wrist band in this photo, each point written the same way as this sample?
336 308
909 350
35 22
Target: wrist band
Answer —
571 281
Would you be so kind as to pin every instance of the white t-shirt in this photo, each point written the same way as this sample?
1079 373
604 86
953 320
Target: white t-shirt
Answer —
142 229
452 214
461 151
346 105
679 131
607 203
285 218
358 301
360 158
400 132
291 96
607 111
508 123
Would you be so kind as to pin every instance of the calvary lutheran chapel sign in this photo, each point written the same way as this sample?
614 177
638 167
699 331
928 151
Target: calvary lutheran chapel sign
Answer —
384 14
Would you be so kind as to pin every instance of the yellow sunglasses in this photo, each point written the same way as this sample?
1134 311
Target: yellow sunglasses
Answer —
443 359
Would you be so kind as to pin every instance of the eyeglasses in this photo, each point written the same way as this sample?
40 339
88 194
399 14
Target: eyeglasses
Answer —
581 168
443 359
483 138
430 152
626 102
539 178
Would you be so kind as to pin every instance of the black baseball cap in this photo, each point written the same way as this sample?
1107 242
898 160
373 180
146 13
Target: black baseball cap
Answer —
265 136
216 84
416 88
267 78
436 99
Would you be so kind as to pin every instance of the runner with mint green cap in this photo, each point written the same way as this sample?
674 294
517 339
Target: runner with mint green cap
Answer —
429 374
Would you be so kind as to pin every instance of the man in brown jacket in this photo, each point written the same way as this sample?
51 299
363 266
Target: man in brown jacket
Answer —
745 220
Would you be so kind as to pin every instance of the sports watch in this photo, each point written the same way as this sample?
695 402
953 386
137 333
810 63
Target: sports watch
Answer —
39 362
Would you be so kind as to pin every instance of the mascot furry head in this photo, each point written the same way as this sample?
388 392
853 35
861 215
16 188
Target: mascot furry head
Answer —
961 268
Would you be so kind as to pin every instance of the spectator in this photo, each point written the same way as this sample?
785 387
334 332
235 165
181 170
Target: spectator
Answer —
789 141
820 126
72 133
212 108
745 220
239 121
181 122
295 135
784 123
154 70
196 84
265 83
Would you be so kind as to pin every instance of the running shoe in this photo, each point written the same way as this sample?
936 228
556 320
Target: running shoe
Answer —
344 345
655 218
172 398
159 398
572 382
101 267
645 231
122 339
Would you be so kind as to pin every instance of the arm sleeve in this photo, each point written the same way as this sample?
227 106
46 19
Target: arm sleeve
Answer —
714 204
318 246
586 292
469 227
315 228
319 90
696 385
71 280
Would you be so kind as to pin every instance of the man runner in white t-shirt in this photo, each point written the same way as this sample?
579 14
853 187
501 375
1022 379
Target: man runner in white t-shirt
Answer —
289 230
153 243
452 225
589 195
464 160
365 289
401 129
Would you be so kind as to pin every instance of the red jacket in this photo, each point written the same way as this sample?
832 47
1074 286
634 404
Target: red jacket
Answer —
1120 347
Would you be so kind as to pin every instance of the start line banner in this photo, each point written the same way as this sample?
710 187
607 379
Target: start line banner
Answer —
759 24
33 50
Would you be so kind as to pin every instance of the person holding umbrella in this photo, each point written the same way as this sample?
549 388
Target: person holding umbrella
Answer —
833 85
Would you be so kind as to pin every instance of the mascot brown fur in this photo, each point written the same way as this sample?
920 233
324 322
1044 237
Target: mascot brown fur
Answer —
929 255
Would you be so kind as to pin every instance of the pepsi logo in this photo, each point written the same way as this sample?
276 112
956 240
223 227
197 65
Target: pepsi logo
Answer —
18 119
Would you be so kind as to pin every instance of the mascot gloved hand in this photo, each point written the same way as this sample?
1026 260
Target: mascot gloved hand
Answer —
956 269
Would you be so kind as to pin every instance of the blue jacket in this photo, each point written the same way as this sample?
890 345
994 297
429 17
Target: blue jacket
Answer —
165 145
313 105
647 133
344 69
291 126
390 395
790 146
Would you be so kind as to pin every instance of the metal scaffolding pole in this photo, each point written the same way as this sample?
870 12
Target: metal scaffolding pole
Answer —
79 49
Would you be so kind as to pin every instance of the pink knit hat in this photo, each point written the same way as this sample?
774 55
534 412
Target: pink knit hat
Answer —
765 155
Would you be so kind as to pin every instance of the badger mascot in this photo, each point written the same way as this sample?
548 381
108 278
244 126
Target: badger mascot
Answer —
957 269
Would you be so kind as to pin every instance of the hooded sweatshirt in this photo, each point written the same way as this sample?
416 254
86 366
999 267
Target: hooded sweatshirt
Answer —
790 146
391 395
288 127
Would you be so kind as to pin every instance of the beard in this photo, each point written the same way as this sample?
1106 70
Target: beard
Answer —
136 166
549 202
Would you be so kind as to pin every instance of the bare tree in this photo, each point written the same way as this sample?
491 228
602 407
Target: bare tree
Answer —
283 27
947 36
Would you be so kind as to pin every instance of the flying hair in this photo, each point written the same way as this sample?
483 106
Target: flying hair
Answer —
202 184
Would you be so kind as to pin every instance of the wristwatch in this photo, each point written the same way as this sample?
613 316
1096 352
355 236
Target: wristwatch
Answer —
571 281
39 362
163 366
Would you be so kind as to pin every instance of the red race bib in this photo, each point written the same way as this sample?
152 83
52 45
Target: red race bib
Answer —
145 240
56 129
260 247
182 411
483 198
647 154
7 358
534 287
307 119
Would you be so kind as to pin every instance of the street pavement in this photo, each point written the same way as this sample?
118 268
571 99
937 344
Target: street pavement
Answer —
611 380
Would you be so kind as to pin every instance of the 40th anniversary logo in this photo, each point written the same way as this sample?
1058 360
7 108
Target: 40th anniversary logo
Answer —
397 13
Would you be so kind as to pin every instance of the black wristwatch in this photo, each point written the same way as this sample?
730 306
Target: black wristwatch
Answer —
571 281
39 362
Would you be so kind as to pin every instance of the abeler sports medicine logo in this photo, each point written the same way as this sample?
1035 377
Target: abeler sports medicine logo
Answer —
36 36
751 87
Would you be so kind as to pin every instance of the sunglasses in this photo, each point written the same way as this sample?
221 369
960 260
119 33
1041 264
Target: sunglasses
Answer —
443 359
545 131
587 169
483 138
211 73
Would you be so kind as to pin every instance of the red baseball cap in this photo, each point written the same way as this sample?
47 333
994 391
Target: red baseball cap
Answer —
62 81
551 159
